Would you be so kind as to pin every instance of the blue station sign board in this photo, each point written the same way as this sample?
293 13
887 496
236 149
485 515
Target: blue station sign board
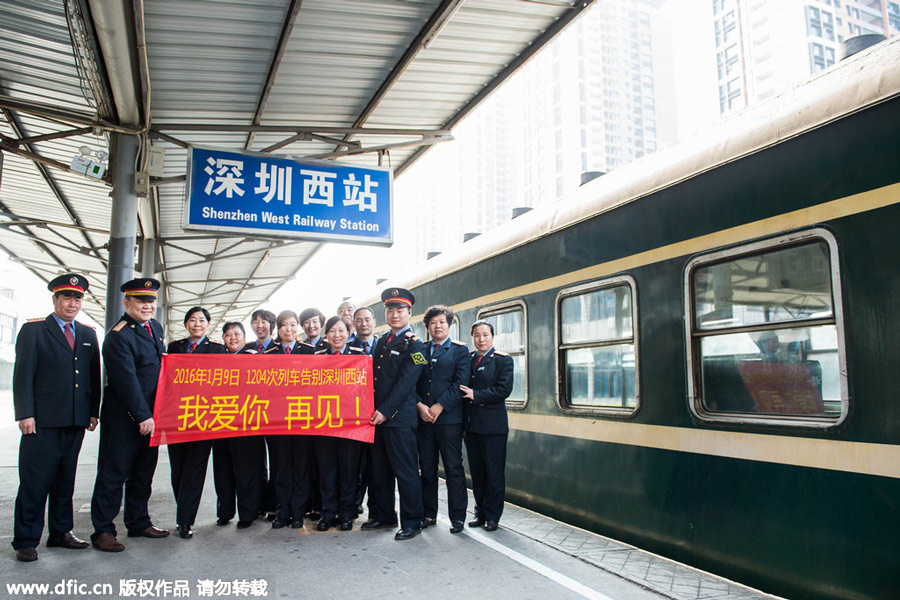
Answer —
248 192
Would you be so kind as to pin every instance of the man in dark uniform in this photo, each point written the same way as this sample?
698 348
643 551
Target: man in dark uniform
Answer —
398 359
132 353
364 339
56 392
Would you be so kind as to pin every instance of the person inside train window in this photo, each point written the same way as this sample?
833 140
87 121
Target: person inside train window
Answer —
292 452
440 429
311 320
345 311
189 459
490 384
337 458
263 324
238 462
768 345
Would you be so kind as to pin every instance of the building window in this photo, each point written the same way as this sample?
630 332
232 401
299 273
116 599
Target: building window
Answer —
597 347
765 331
820 57
509 337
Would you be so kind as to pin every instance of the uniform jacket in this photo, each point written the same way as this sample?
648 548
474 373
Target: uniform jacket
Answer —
348 350
440 380
251 348
132 360
358 343
397 366
491 382
53 384
299 348
205 347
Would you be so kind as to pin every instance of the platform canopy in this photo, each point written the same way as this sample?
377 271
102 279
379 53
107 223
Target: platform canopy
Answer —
367 82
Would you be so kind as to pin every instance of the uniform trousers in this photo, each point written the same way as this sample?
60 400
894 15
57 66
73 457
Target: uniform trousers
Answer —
394 455
446 441
292 489
338 461
47 463
125 459
188 461
239 466
267 481
487 464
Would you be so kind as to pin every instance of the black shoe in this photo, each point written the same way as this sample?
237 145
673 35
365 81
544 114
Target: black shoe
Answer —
222 521
490 525
27 554
244 524
68 540
428 522
457 527
279 523
376 524
323 525
407 533
313 515
479 522
184 532
347 525
297 524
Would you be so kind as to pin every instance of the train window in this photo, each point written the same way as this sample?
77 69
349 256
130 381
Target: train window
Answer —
597 349
766 333
509 337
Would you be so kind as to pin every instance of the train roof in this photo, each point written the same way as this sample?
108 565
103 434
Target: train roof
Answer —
856 83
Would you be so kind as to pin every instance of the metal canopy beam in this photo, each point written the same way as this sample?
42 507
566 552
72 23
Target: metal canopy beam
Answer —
280 49
514 65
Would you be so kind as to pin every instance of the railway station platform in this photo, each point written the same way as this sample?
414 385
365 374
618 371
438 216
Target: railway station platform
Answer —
530 556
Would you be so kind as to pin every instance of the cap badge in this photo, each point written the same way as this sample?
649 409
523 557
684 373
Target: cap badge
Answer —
395 293
73 280
147 284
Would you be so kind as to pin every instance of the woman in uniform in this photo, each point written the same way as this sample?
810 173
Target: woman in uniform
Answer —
189 459
490 384
338 458
440 408
293 451
238 461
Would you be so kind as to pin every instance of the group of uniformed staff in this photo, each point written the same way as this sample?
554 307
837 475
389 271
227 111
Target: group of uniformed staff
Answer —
429 397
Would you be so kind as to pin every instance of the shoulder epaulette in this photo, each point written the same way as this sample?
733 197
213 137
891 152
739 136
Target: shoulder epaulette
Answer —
37 320
457 342
322 351
271 348
85 325
411 335
355 350
308 345
118 326
498 353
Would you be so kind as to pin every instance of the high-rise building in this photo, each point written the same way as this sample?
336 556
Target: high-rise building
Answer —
766 46
590 101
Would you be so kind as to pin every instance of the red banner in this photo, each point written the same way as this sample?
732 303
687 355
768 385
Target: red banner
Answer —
782 388
209 396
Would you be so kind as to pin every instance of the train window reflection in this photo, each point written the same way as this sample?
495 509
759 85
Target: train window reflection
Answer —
509 337
597 347
767 333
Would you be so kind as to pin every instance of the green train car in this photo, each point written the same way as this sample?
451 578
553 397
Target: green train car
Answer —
707 342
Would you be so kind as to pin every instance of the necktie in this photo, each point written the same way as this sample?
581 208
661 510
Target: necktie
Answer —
70 336
149 331
390 338
260 348
192 348
479 359
435 348
287 349
366 347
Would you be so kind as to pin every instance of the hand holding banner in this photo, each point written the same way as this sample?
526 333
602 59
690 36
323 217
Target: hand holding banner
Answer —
209 396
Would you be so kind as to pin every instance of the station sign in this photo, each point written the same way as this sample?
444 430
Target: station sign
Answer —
249 192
